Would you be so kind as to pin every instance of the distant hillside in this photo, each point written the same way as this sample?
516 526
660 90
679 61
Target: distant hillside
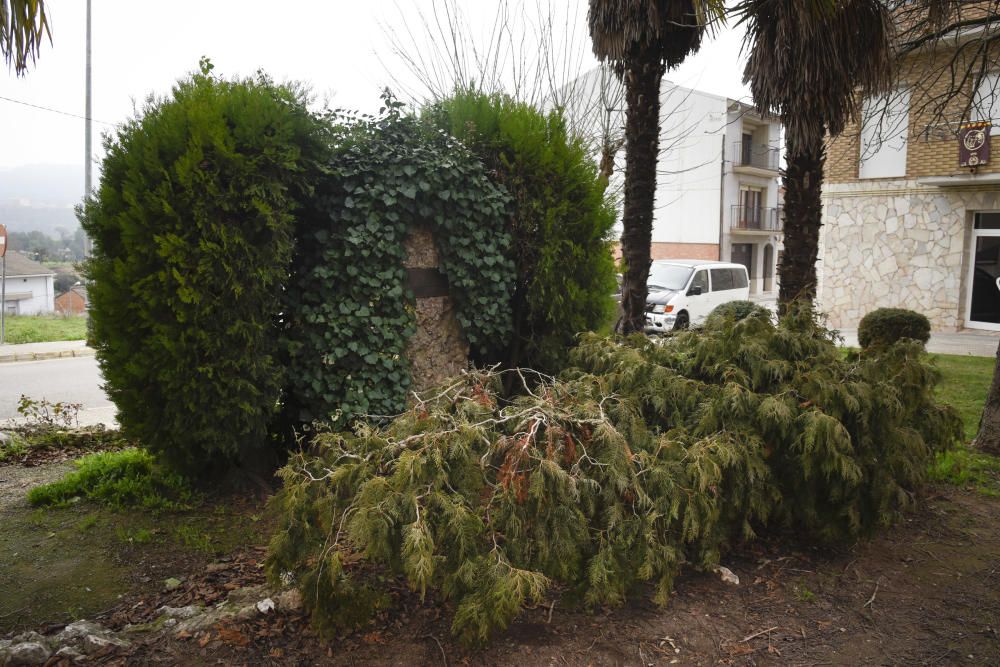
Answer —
40 197
43 184
48 220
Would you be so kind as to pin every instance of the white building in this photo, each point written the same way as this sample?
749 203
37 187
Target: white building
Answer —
717 192
29 288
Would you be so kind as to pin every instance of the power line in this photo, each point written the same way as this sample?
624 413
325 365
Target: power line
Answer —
63 113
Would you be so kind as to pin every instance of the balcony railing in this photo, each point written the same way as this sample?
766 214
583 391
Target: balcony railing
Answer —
755 155
756 218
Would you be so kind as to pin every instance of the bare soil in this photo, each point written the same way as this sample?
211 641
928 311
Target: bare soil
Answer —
924 592
62 564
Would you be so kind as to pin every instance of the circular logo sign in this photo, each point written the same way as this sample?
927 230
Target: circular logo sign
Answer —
974 140
3 240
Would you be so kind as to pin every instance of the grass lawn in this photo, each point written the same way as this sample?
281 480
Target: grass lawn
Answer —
43 328
964 383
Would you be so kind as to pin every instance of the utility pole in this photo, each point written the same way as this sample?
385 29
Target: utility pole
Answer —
86 137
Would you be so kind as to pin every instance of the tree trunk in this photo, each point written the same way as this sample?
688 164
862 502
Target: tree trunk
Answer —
803 181
642 143
988 438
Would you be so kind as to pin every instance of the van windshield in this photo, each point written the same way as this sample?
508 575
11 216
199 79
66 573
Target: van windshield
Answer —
668 276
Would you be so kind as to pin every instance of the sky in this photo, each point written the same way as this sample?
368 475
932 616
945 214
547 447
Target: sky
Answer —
341 49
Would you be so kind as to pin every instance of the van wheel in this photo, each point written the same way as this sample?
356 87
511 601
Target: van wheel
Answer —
682 321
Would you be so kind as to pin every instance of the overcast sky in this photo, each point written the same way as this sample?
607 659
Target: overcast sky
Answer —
339 48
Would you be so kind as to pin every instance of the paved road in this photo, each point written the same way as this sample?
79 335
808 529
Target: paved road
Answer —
74 380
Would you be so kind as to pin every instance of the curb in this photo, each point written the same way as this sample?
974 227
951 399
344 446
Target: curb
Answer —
42 356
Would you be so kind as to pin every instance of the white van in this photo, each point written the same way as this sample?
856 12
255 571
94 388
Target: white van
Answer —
682 292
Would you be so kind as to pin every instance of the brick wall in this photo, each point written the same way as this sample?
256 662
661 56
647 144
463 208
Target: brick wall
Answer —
932 148
70 303
660 250
685 251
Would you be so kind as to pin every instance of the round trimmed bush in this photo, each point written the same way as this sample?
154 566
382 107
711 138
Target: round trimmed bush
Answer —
735 311
885 326
193 226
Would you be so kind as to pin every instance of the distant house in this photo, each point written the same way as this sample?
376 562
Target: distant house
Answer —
73 301
29 288
717 191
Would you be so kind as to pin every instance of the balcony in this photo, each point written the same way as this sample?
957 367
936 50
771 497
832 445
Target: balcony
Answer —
751 219
757 159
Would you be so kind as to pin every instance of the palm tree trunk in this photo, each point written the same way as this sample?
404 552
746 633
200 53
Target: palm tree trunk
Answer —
642 144
988 439
803 181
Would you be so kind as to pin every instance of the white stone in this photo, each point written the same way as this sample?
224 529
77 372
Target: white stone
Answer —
887 267
95 643
180 612
923 278
27 654
727 575
78 630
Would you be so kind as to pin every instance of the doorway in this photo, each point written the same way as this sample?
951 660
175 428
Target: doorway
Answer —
742 253
768 267
984 274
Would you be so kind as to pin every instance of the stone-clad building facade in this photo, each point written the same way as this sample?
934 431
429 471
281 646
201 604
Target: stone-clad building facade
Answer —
903 224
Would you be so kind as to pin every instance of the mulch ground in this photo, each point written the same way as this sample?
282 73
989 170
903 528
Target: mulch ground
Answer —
925 592
78 443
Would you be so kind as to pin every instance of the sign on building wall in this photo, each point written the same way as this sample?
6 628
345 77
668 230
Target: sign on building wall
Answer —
974 144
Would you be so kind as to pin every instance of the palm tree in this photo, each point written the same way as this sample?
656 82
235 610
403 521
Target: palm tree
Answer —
23 23
642 39
811 63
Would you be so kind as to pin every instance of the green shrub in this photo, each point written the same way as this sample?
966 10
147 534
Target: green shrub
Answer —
646 456
885 326
192 226
124 479
348 312
846 441
734 311
561 223
13 447
490 504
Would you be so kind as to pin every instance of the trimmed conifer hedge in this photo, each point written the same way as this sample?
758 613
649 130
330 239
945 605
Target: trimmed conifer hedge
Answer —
561 223
193 225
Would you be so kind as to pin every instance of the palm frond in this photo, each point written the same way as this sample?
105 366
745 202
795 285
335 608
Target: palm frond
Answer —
621 29
808 59
23 24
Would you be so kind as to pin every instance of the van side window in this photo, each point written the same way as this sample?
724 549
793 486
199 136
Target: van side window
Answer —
739 278
700 280
722 279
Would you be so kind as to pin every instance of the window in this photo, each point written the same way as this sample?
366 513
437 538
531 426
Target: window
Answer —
722 279
668 276
987 221
986 101
746 148
700 280
739 278
751 211
885 124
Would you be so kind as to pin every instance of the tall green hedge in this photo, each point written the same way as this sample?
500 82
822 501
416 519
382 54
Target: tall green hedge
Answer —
561 223
349 313
193 226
